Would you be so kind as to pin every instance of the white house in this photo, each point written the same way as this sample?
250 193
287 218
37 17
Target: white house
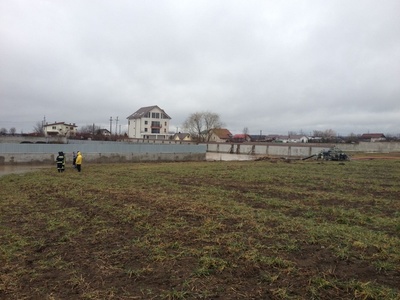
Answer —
59 129
149 122
181 137
296 138
373 137
291 139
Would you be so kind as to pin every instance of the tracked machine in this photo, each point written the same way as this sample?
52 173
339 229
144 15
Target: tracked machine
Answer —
333 154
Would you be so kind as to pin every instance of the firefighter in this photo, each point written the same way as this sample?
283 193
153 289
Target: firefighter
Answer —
60 162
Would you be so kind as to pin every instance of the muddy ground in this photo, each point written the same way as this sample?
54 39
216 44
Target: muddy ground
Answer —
221 234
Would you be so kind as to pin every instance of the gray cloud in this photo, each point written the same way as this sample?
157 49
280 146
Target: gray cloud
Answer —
271 66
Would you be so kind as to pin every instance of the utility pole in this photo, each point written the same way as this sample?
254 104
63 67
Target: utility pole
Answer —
116 126
43 124
110 124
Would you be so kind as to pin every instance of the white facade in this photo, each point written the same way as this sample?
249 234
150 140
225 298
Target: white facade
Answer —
298 139
291 139
59 129
149 123
181 137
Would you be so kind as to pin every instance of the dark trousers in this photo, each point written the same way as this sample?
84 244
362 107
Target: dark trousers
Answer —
78 167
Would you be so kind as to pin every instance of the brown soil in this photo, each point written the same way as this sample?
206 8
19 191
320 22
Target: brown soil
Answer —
109 264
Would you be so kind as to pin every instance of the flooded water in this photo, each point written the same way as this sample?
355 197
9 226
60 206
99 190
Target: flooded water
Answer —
5 170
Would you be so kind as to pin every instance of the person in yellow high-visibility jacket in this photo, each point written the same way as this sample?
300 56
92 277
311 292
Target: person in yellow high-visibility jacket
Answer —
79 161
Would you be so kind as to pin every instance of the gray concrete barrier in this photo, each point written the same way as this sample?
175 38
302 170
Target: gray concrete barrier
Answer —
110 152
299 150
100 152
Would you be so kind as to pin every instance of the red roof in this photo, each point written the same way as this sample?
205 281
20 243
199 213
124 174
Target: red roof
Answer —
222 133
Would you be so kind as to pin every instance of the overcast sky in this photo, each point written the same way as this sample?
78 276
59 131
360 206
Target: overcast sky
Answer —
270 66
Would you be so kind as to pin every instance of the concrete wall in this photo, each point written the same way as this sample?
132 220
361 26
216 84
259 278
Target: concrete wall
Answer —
106 152
377 147
100 152
300 150
269 149
17 139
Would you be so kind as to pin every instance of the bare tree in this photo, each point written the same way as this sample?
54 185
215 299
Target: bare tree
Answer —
3 131
352 138
38 128
90 129
328 135
392 137
318 133
200 124
13 130
245 130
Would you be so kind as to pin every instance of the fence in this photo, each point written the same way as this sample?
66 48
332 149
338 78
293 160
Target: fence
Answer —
105 152
100 152
299 149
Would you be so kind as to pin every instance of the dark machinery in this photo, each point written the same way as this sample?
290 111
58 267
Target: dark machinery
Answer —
333 153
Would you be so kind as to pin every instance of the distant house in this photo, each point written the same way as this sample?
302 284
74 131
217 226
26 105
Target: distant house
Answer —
259 138
271 137
104 132
150 122
59 129
298 138
240 138
291 139
282 139
315 139
372 137
181 137
219 135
